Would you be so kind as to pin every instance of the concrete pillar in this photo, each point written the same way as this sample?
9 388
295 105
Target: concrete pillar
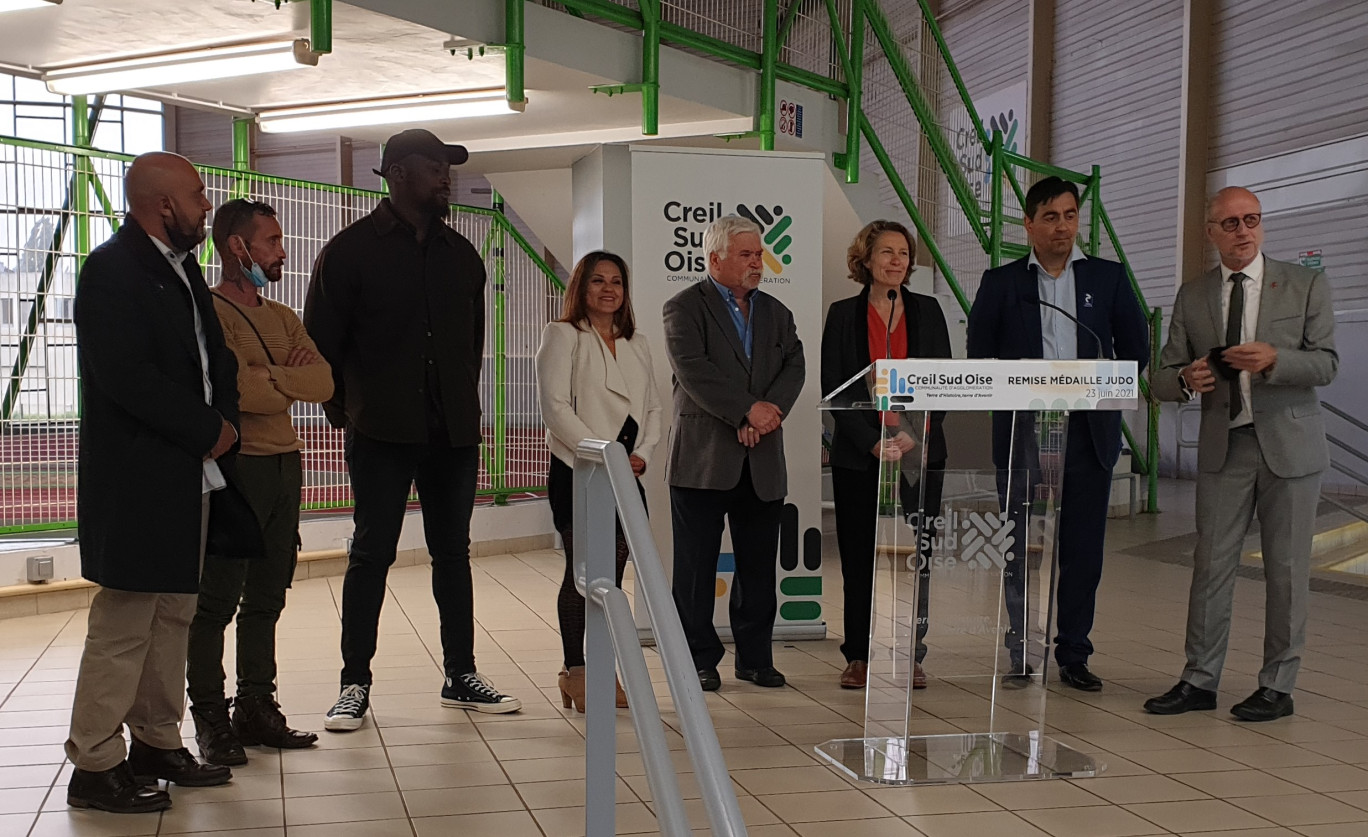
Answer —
1194 137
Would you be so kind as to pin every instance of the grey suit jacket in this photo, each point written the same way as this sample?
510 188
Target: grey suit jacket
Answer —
1296 317
715 386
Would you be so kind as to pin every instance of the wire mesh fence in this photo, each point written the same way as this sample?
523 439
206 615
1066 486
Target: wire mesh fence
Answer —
58 203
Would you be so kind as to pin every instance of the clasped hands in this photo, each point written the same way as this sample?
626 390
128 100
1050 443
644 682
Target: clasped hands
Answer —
762 418
1247 357
895 447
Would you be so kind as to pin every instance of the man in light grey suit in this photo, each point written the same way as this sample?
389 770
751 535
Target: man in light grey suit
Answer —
738 369
1254 338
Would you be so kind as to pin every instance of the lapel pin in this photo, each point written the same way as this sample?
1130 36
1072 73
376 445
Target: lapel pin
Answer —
1087 301
1273 285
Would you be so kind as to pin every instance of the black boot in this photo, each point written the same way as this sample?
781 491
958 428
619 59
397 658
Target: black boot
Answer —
150 763
257 720
218 744
114 790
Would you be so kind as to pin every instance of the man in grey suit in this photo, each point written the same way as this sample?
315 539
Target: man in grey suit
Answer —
1254 338
738 369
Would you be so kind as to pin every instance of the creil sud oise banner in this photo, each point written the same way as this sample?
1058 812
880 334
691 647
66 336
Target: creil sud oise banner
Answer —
676 194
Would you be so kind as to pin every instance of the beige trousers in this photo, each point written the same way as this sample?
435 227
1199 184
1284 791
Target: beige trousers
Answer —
132 672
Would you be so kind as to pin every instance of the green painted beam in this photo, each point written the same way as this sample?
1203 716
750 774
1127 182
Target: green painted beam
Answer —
926 116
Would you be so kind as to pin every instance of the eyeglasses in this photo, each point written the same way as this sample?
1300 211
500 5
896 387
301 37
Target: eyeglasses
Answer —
1233 223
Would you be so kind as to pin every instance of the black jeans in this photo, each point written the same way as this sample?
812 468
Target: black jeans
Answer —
254 590
381 476
697 516
856 496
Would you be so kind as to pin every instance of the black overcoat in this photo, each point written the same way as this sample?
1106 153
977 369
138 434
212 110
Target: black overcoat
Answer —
145 427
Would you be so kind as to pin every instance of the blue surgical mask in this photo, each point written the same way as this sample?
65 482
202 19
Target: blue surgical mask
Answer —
256 274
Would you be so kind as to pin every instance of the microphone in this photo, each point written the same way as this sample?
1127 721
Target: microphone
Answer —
1076 321
888 337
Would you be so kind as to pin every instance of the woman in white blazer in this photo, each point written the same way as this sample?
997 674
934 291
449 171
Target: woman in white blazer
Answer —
594 381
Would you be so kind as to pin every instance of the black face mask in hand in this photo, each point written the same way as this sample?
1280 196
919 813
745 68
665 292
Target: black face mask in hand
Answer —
1219 365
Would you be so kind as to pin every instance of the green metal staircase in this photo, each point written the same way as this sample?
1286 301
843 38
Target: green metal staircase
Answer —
849 49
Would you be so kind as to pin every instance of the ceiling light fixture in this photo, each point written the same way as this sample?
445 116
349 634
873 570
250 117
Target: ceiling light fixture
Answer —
20 5
180 67
430 107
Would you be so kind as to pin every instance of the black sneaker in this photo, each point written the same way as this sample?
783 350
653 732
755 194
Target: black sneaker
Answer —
471 691
350 710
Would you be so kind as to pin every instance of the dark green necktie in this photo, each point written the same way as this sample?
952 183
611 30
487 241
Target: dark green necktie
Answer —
1234 324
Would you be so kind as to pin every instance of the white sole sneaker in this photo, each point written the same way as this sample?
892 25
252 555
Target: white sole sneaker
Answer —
342 723
501 708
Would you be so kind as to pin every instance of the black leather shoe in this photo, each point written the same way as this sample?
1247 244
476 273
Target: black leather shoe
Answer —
257 720
769 676
114 790
1078 676
1264 705
709 679
214 735
1019 677
1184 697
152 763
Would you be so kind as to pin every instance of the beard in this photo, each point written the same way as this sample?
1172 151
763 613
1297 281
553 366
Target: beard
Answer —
183 236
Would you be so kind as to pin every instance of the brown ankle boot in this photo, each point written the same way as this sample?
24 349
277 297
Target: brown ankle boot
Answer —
571 683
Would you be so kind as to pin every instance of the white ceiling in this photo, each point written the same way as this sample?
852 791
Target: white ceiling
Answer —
375 54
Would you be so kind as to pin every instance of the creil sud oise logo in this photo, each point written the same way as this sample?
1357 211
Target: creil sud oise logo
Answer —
774 225
888 392
685 260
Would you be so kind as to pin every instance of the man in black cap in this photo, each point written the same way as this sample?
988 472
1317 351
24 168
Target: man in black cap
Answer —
396 306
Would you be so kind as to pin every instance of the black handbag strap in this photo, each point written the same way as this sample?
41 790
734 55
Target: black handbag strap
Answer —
250 325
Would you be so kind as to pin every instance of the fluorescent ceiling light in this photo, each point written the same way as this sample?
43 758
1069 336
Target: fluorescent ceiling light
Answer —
180 67
20 5
431 107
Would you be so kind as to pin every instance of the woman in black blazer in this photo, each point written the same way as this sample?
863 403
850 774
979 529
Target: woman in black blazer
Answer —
857 330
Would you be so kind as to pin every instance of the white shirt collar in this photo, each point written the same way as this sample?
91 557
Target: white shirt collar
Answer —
1254 270
171 255
1076 254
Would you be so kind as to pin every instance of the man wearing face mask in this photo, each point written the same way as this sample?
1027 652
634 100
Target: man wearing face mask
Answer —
277 365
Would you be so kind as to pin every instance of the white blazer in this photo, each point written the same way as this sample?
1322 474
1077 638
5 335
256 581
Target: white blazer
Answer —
586 393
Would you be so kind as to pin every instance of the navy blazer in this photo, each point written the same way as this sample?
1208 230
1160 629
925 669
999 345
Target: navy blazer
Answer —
1005 323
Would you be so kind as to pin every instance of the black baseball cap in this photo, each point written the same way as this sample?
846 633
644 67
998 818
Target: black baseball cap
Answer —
424 144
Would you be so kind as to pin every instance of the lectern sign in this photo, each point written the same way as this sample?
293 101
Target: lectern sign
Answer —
927 384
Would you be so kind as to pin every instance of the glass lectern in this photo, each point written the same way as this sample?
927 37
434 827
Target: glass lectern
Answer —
964 586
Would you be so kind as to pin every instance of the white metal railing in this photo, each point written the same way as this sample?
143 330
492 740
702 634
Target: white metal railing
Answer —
605 489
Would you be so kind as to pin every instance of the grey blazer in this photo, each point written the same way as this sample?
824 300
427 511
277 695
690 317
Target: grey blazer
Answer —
715 386
1296 317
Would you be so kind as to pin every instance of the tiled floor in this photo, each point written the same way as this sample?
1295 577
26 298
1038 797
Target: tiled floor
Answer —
420 769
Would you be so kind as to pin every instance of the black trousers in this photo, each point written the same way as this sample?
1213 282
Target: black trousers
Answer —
253 590
1081 530
856 496
697 516
381 475
560 493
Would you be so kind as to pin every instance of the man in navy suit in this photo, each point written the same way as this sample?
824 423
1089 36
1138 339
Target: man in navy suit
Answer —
1011 319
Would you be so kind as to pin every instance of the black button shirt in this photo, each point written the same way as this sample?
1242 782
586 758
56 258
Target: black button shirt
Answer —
402 324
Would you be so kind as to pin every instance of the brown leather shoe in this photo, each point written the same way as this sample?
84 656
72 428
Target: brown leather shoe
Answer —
856 675
918 676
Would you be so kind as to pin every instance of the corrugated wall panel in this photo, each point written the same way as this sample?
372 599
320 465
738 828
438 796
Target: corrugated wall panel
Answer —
1286 76
1340 232
202 136
988 40
1117 82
